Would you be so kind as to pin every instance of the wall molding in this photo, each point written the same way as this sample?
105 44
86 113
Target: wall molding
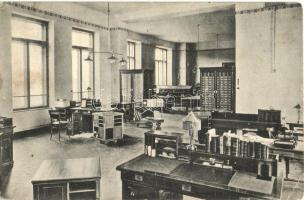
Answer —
60 16
268 8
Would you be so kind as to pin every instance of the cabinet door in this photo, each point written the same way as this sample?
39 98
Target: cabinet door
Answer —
225 89
6 150
52 192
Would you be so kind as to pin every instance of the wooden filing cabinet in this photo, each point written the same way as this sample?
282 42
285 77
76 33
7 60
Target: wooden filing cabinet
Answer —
108 125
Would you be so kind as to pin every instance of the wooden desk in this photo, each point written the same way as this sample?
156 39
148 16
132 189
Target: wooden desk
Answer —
86 120
145 177
68 179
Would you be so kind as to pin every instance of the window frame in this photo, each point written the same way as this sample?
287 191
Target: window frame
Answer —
129 57
44 44
81 48
162 62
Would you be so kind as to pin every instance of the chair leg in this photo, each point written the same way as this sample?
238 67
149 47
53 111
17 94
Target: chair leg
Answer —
51 132
59 129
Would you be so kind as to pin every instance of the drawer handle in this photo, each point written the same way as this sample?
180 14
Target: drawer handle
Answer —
186 187
138 178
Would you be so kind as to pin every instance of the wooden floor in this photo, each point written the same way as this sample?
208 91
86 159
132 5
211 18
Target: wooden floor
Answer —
29 153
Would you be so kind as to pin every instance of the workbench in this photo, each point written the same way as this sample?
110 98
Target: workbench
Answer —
147 177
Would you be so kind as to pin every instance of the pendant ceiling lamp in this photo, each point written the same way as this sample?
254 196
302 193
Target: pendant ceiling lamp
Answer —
113 55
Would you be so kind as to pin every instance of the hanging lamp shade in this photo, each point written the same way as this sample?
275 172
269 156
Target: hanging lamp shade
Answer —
112 59
123 62
89 58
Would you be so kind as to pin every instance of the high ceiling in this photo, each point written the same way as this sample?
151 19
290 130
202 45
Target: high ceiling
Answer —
139 11
172 21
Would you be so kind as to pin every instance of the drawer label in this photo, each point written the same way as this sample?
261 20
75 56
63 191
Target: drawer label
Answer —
138 177
186 187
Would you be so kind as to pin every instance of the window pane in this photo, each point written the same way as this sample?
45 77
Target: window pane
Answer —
155 74
131 63
164 74
161 71
87 76
164 55
76 74
158 55
38 75
19 71
82 38
28 29
126 88
132 48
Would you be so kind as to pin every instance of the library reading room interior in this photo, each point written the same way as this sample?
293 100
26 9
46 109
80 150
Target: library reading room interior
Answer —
151 100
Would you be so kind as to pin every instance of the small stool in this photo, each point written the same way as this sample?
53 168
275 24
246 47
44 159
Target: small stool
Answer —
156 121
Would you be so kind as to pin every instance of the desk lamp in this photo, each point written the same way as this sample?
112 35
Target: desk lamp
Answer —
191 123
89 92
298 107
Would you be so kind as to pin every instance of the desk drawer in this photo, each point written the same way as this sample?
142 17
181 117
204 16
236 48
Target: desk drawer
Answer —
140 178
168 184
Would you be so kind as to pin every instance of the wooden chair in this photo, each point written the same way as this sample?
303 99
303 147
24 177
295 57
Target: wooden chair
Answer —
58 121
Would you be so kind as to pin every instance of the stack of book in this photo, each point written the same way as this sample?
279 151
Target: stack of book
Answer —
230 144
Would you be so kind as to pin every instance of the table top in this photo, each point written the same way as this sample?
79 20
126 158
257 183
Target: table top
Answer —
248 181
153 119
219 178
98 109
144 163
159 133
68 169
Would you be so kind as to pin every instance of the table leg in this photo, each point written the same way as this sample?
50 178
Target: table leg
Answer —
287 166
158 125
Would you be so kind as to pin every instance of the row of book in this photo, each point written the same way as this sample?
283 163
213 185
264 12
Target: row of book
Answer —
236 145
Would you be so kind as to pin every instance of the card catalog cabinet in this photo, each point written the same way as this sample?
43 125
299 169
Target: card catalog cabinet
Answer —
217 88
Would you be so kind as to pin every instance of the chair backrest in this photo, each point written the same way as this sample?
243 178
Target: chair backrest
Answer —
58 115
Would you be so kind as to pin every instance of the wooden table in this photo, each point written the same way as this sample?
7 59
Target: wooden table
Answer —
68 179
146 177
